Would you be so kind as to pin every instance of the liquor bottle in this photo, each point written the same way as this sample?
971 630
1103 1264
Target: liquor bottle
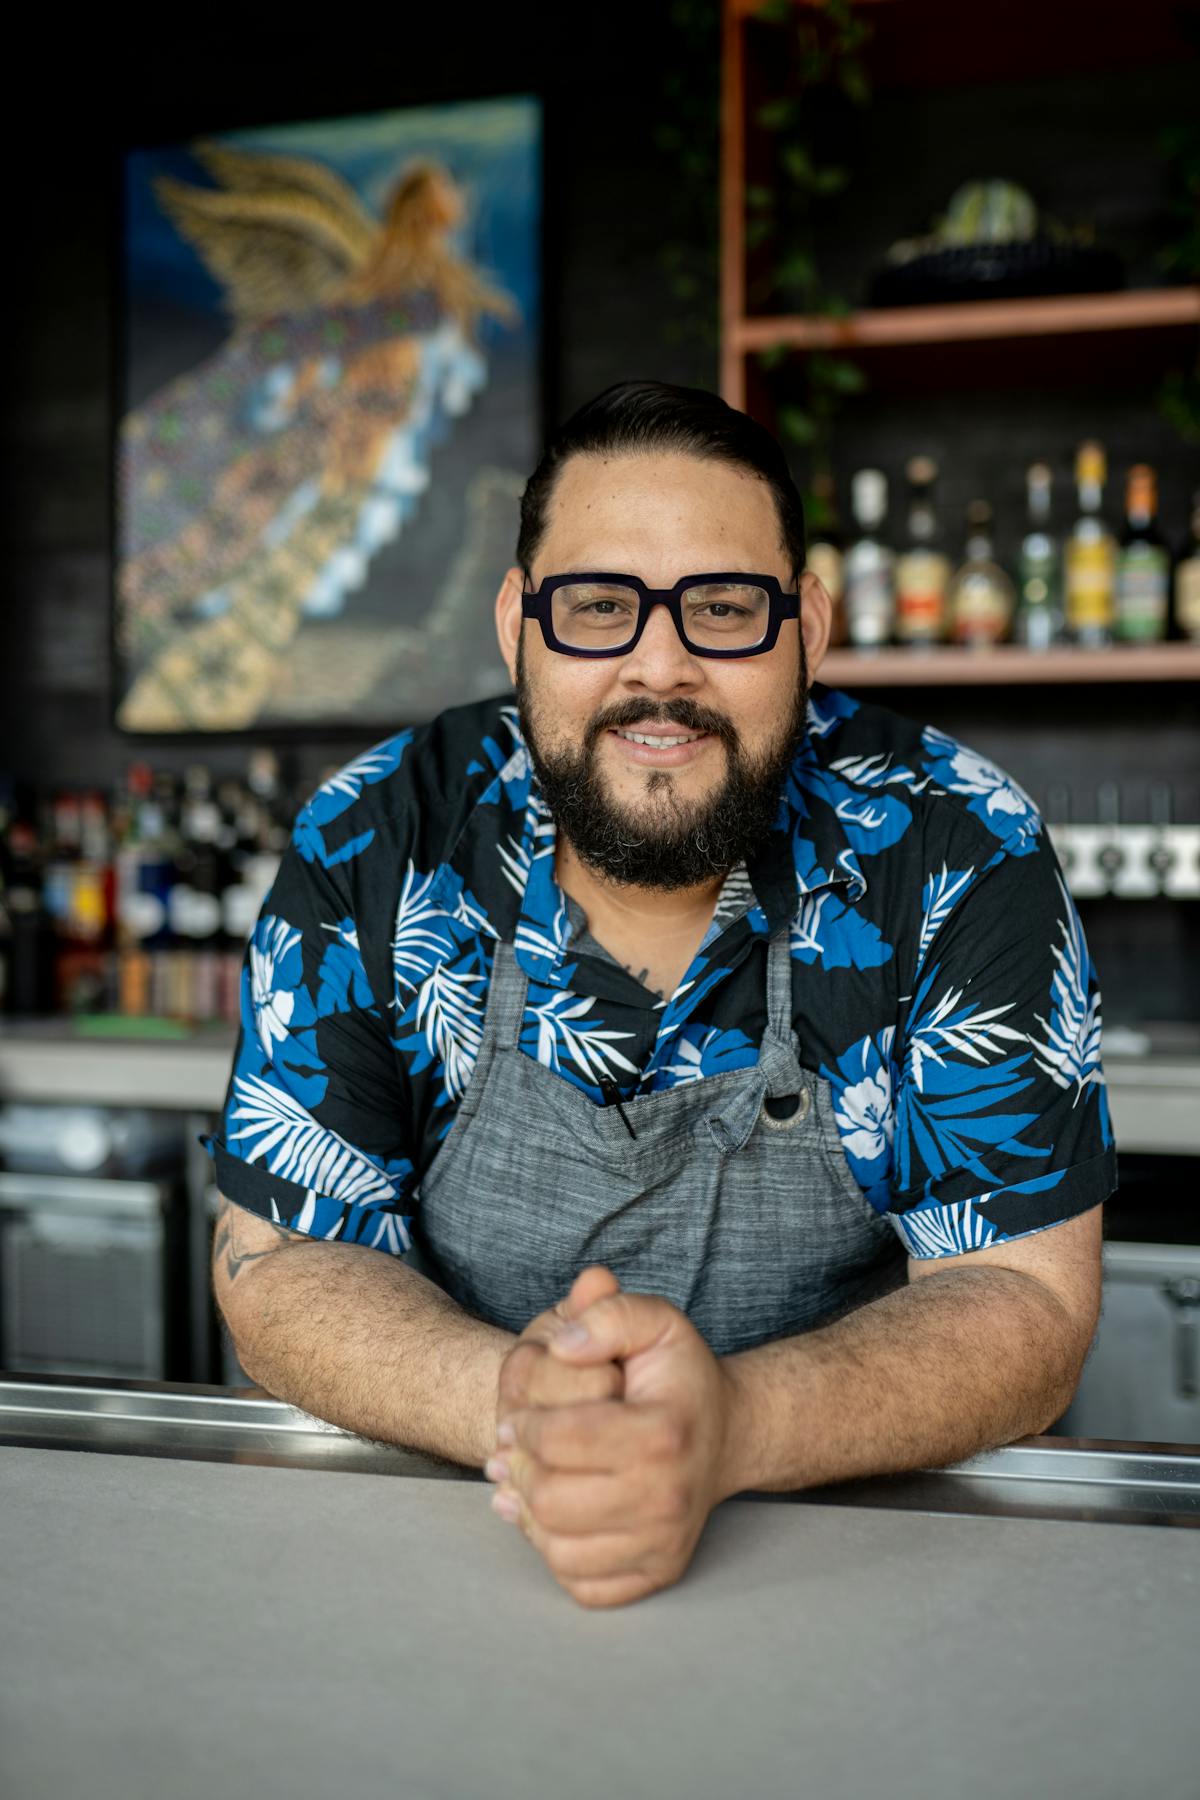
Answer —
1143 563
923 569
982 597
1187 579
145 877
31 931
1090 556
82 911
870 565
826 557
196 901
1039 600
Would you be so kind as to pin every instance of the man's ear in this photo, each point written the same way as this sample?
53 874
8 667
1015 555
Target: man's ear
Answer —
508 619
816 620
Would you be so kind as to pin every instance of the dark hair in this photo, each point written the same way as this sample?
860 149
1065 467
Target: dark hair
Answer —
632 417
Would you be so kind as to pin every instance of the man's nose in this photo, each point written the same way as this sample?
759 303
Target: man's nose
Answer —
660 659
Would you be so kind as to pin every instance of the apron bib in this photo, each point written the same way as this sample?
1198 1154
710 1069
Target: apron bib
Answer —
733 1200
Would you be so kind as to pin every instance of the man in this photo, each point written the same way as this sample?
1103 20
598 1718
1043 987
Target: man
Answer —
728 1050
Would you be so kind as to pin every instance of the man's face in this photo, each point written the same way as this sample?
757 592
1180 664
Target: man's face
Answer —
680 815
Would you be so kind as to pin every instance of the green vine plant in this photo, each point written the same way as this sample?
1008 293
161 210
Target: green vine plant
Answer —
820 59
819 53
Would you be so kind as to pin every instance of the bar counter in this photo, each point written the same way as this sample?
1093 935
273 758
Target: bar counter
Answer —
208 1592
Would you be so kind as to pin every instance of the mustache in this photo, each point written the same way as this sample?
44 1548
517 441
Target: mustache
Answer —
684 713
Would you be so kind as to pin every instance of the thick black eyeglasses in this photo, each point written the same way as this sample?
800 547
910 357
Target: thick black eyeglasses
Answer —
715 615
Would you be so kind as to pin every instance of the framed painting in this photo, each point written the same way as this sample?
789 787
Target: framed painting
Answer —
329 401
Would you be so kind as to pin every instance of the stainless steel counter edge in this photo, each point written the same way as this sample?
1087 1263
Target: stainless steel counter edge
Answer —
1039 1478
1153 1098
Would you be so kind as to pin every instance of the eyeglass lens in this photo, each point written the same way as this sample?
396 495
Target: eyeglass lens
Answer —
603 615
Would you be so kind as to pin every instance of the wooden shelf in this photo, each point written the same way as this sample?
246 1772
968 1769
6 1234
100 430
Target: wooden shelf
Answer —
973 320
951 666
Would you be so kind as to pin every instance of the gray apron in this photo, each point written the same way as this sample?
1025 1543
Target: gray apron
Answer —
732 1198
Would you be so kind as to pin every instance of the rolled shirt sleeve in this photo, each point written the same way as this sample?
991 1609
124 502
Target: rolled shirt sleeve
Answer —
313 1131
1001 1116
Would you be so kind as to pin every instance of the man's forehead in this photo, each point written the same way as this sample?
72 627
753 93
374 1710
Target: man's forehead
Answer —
648 508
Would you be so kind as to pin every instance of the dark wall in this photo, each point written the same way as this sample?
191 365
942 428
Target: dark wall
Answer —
613 200
609 203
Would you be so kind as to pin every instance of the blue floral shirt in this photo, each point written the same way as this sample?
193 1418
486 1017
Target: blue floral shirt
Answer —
941 981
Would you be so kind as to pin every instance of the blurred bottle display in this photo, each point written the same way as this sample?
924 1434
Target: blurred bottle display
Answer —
1090 555
1143 586
982 598
138 903
922 569
1039 621
1085 589
1187 579
870 567
826 554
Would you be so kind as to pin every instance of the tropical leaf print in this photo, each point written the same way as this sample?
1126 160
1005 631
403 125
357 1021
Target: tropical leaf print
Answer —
954 1100
310 842
939 897
702 1051
864 1101
826 928
1069 1051
736 896
342 983
996 799
449 1013
275 972
559 1040
872 822
281 1133
376 1226
342 789
879 771
946 1230
420 937
805 939
514 861
827 713
972 1031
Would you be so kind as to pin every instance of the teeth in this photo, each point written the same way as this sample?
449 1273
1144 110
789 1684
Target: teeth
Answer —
655 743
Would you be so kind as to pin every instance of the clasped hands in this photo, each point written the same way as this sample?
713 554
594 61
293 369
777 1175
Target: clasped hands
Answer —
612 1446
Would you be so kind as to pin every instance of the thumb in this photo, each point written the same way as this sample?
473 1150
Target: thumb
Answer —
614 1327
593 1283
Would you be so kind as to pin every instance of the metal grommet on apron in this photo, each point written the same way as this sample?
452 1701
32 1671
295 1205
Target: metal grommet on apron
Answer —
728 1195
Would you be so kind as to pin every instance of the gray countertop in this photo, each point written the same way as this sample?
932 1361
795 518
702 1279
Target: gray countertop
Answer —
195 1628
208 1592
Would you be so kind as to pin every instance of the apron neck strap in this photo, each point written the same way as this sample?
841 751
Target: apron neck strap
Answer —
506 998
779 986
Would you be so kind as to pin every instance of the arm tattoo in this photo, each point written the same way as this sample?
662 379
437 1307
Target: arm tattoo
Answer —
234 1253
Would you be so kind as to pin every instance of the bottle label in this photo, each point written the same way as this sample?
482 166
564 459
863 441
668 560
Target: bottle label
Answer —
1142 583
825 561
921 580
143 914
980 610
1090 584
1187 595
870 607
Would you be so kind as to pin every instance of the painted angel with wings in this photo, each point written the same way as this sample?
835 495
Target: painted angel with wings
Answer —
258 486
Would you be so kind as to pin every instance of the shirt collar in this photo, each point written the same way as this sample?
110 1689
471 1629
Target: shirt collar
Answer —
806 850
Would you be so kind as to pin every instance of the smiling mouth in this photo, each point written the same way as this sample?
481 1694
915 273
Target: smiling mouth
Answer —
656 742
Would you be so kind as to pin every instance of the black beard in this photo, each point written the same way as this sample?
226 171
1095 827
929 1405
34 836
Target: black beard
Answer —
677 844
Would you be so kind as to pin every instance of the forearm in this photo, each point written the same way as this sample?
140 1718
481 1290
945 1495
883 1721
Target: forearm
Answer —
954 1363
359 1338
